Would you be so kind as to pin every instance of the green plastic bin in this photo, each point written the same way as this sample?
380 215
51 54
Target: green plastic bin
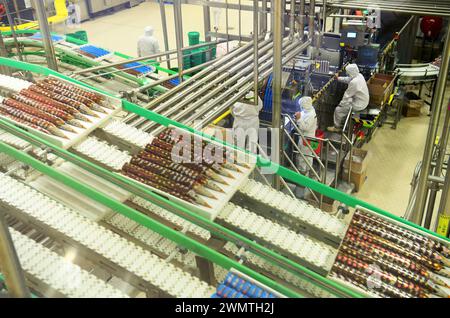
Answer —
194 38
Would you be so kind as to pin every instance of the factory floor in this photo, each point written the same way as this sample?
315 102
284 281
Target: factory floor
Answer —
121 30
395 153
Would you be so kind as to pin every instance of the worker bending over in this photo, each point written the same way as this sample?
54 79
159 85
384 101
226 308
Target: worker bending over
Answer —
148 44
307 123
246 122
356 97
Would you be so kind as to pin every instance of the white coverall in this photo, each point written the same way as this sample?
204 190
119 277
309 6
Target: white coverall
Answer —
356 96
307 123
216 15
147 44
246 123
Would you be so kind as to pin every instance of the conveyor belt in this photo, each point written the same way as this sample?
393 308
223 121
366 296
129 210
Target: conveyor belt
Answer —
302 249
313 255
157 242
102 152
24 200
183 224
127 133
151 239
12 140
261 264
291 212
57 273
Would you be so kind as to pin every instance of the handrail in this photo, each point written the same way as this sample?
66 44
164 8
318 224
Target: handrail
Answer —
304 139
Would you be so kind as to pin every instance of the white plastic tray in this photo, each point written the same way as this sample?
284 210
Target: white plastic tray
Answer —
81 133
222 198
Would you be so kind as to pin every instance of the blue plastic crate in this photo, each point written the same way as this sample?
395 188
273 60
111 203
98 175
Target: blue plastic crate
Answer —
55 38
93 50
138 67
235 286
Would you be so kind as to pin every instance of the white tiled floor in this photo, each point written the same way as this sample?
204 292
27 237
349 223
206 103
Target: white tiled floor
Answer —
395 152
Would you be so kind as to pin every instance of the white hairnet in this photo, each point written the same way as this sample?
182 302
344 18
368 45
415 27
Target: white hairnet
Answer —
306 103
149 31
352 70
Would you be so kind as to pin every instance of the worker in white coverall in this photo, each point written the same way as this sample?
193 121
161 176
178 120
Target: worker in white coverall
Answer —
306 120
148 44
356 97
246 122
217 12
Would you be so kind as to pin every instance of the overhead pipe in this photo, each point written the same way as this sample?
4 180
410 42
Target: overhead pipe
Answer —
193 83
238 79
199 75
211 93
240 91
212 79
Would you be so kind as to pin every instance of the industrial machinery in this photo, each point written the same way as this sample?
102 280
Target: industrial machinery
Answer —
97 204
89 197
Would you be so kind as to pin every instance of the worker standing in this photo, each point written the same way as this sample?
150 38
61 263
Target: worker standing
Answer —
306 120
246 122
356 97
217 12
148 44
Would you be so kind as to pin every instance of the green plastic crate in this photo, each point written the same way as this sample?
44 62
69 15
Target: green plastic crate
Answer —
80 35
194 38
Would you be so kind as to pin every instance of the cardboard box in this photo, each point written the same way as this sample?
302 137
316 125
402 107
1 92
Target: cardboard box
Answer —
380 87
360 160
413 106
358 179
411 112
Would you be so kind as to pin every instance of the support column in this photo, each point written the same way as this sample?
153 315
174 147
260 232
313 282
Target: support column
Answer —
4 53
179 36
162 10
263 18
9 263
255 50
422 191
46 36
12 25
276 85
302 19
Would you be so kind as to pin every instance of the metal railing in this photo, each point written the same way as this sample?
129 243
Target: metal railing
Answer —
323 160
